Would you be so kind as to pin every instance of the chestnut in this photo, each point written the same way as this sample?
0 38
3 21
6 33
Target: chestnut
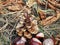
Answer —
19 41
40 35
48 42
35 41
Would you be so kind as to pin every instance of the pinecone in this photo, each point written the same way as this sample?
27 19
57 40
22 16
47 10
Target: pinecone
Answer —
27 26
28 31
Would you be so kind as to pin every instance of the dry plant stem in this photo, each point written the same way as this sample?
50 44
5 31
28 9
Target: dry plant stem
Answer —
46 5
51 19
53 29
47 32
14 26
1 29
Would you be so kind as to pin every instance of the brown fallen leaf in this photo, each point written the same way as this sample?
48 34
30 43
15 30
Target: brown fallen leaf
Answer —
5 2
51 4
51 19
52 7
14 7
54 3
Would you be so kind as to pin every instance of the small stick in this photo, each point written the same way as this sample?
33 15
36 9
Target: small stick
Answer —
4 25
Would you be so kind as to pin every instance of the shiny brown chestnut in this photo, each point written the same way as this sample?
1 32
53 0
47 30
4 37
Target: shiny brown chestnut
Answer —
19 41
35 41
40 35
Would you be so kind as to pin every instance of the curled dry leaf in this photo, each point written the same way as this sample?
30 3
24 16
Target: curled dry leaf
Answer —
52 7
4 1
54 3
51 19
15 7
